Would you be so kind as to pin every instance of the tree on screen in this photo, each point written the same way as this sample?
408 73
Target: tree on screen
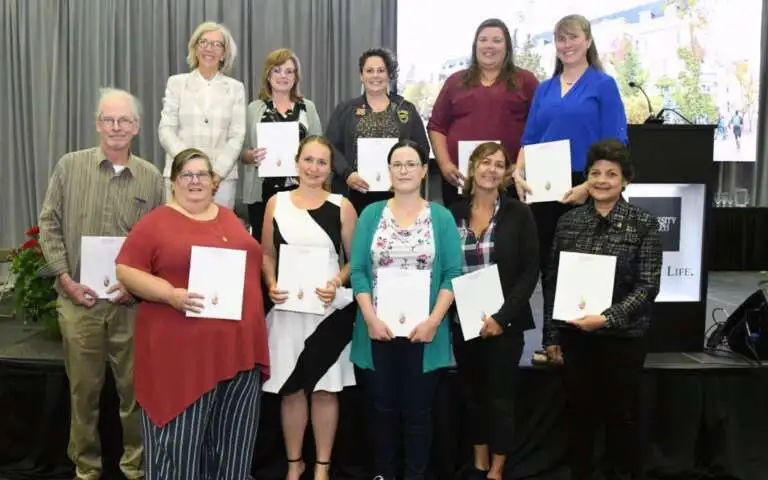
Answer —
526 56
749 88
422 95
629 68
686 92
689 96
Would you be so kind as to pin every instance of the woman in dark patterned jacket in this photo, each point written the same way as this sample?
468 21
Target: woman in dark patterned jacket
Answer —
604 354
377 113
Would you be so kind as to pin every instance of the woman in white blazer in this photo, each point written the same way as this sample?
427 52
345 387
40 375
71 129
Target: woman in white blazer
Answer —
279 101
205 109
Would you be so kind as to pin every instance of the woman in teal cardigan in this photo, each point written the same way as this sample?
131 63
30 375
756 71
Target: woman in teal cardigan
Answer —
405 232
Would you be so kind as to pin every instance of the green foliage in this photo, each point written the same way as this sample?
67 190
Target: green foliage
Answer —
629 68
527 58
687 93
690 99
423 96
34 295
664 82
749 87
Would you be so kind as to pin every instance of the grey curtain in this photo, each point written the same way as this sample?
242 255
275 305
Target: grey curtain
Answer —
761 177
57 54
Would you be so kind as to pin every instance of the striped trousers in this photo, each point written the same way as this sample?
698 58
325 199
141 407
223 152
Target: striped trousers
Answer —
212 439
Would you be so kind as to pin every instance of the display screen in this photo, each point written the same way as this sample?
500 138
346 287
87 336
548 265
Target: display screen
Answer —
700 58
679 209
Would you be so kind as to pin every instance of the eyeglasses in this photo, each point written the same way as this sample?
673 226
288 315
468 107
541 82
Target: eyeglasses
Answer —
122 122
409 166
202 177
214 45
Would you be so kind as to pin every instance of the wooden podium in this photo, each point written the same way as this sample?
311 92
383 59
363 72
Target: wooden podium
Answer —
677 154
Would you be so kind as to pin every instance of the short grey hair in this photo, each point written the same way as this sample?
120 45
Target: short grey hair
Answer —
109 92
230 48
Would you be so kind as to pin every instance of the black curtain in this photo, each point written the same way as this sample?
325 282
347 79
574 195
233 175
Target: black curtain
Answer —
737 239
701 423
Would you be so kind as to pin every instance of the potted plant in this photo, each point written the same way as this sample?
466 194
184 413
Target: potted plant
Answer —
34 295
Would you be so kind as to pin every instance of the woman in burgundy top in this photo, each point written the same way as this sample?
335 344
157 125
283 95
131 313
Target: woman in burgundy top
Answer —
487 101
197 380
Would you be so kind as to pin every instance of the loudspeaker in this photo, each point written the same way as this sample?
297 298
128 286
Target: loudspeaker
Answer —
746 330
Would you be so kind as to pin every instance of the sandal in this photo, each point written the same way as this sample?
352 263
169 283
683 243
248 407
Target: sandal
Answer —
301 466
326 465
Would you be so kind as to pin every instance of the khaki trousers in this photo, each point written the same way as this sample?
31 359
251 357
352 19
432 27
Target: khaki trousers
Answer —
92 338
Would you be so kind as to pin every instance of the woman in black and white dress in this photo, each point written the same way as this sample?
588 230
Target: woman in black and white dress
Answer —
309 354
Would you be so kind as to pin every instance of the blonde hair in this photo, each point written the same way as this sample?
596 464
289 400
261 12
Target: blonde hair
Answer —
579 23
321 140
275 59
483 151
230 48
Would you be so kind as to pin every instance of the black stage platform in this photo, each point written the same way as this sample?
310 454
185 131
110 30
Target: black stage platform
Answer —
706 417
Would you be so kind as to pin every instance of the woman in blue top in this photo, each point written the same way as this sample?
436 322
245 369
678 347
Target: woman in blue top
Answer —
405 232
580 103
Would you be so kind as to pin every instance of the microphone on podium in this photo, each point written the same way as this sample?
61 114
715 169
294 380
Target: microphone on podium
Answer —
652 118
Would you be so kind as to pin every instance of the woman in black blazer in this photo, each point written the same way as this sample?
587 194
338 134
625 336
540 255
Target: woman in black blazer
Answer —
495 229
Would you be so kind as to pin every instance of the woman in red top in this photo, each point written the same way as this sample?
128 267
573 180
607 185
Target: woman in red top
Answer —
197 380
488 101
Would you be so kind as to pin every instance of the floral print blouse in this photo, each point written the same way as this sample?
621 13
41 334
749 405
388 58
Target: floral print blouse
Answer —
404 248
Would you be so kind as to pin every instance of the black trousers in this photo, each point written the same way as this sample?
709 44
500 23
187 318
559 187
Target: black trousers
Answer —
488 371
400 392
362 200
256 219
546 215
602 382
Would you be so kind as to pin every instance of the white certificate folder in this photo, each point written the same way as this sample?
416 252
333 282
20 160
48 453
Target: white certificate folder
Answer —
372 163
218 274
548 171
301 270
584 285
281 140
97 263
402 298
477 295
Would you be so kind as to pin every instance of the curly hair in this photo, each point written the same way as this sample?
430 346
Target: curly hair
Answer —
390 61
